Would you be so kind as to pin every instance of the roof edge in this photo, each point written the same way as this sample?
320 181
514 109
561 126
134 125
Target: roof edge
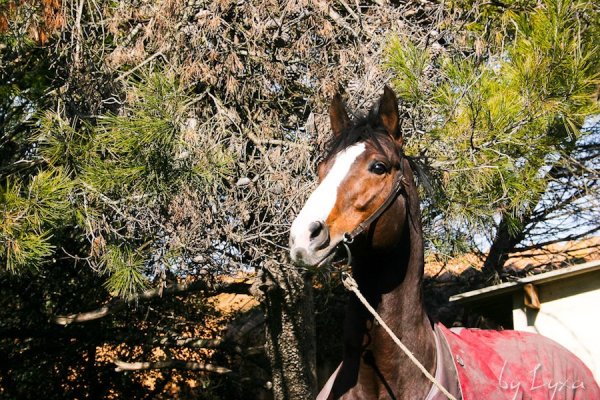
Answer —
506 287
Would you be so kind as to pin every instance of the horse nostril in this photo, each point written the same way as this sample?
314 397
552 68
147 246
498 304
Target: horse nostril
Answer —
319 234
315 228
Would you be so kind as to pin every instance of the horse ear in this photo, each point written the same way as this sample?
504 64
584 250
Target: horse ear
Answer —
338 115
387 113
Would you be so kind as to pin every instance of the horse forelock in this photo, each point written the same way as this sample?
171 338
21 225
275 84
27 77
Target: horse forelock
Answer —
362 130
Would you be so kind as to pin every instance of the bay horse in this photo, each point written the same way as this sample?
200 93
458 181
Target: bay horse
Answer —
367 199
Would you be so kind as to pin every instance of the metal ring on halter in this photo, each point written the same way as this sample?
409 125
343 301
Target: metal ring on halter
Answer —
349 260
348 238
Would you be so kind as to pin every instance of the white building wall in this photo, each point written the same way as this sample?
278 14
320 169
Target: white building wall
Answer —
569 314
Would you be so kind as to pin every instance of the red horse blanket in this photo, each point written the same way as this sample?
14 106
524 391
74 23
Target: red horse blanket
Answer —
510 365
476 364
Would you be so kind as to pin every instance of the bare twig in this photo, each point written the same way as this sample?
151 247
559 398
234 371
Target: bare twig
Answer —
170 364
326 8
539 245
140 65
78 33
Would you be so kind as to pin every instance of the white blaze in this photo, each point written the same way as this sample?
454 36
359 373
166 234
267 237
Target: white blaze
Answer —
320 204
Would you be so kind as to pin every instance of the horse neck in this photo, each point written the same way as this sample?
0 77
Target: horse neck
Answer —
392 280
392 283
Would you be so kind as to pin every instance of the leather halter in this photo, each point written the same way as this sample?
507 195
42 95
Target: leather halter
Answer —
399 185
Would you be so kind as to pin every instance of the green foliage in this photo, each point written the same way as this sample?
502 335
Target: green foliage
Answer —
125 271
141 158
62 145
145 149
501 118
30 211
120 166
410 64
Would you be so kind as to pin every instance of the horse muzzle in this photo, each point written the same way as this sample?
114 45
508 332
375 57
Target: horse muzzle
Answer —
310 245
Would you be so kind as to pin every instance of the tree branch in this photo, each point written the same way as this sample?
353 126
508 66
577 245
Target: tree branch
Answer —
544 212
326 8
563 239
169 364
178 288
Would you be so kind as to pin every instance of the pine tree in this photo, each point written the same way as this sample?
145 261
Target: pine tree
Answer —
501 111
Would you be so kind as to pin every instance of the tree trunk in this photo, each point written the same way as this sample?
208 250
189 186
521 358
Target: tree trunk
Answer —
290 339
503 243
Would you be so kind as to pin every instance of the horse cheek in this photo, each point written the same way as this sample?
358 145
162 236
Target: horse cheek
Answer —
371 196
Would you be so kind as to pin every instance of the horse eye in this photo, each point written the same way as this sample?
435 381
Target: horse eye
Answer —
378 168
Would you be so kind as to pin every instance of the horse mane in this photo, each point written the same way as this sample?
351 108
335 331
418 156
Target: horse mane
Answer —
425 176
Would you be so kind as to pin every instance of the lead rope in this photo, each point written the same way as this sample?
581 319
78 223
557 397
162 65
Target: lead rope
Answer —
351 285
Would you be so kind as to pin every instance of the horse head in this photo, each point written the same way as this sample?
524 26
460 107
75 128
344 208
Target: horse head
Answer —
357 180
